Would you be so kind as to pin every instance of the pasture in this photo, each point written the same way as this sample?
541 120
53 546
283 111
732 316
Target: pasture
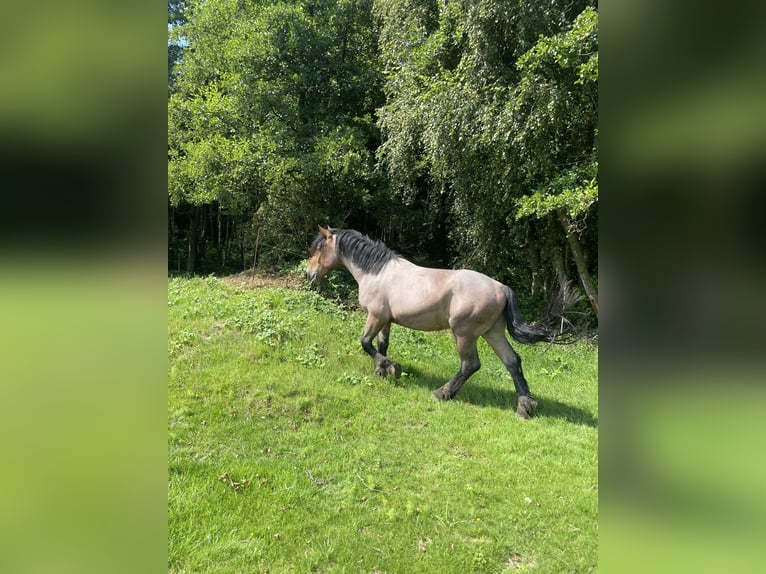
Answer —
285 454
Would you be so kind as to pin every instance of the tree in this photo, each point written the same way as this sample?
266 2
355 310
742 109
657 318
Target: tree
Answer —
555 111
176 17
271 117
463 132
479 112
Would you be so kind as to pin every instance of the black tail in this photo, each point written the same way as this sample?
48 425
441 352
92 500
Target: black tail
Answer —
551 327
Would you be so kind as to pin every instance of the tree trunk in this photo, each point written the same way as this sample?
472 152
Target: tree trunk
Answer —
191 260
219 242
534 258
226 242
579 257
241 234
558 265
255 255
204 236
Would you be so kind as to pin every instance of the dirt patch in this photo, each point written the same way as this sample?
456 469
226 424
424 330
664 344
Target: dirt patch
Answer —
260 279
517 562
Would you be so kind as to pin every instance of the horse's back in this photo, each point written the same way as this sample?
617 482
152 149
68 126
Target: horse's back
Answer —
433 299
417 297
467 279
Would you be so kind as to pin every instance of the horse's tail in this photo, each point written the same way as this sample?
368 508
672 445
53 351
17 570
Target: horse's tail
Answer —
550 327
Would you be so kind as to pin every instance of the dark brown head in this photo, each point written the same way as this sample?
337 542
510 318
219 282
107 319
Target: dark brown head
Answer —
324 257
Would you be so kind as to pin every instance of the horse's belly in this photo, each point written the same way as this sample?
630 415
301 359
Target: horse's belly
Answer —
431 320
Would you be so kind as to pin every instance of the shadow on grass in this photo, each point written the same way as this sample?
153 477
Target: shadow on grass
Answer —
474 393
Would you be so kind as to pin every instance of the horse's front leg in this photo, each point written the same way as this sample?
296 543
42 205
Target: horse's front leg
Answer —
383 339
383 365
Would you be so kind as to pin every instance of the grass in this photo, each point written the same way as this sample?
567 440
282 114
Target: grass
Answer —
287 455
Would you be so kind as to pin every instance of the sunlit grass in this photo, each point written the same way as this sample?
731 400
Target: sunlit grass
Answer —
286 455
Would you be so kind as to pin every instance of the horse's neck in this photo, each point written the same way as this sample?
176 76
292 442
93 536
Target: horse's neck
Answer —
362 277
355 270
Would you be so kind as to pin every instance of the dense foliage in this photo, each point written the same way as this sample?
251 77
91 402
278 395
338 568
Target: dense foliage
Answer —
462 132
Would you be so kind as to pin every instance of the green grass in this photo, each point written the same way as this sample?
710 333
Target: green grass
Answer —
287 455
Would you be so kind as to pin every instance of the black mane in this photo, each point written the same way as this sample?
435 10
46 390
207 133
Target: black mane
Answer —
370 256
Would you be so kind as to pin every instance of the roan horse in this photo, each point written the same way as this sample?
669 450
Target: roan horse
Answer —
471 305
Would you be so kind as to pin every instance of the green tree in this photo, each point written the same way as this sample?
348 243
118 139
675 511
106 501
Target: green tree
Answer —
459 130
555 117
480 112
271 118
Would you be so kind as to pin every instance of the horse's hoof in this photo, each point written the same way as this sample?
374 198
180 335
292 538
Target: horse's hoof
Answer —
441 395
525 407
388 367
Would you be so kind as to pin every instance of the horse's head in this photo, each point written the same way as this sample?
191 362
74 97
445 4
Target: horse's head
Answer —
324 257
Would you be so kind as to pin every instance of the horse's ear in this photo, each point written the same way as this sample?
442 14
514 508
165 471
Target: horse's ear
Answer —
325 232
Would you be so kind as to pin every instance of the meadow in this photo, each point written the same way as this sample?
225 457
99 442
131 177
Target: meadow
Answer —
285 453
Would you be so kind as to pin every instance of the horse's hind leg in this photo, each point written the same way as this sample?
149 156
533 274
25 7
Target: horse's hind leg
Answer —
496 339
469 364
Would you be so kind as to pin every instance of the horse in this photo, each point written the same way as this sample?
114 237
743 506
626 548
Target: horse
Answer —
470 304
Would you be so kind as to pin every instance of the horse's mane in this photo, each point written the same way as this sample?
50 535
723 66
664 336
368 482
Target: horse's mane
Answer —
370 256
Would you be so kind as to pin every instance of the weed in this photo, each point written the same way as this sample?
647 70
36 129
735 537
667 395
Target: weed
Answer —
311 357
